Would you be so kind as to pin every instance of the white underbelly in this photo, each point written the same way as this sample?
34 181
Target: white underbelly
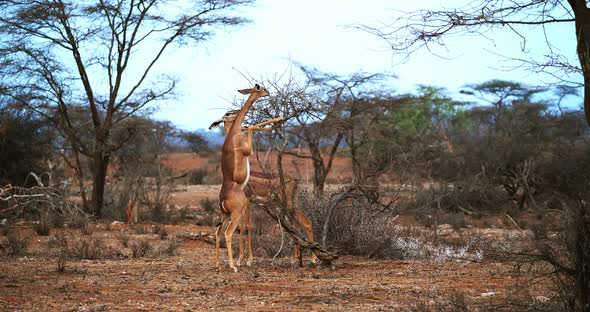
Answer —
247 173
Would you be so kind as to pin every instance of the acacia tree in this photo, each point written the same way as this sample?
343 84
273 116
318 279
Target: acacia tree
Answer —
99 55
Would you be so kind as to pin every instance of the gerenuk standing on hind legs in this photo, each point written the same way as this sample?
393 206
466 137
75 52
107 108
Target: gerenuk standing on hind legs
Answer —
236 171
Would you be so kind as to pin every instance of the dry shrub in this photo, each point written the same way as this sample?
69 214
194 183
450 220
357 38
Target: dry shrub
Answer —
356 230
58 240
63 254
208 217
42 228
197 176
47 205
169 247
83 223
16 243
456 303
272 244
183 214
456 220
208 205
262 223
268 236
141 248
522 298
48 219
159 211
141 229
58 220
4 229
61 263
564 246
453 302
161 230
87 228
359 228
421 305
355 227
123 237
474 194
540 256
89 249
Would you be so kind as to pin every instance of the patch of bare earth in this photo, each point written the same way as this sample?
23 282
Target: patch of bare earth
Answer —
192 195
300 167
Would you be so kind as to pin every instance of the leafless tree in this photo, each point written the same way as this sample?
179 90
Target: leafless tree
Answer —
319 113
100 56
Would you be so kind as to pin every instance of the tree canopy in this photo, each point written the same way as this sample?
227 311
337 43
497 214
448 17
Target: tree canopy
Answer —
99 56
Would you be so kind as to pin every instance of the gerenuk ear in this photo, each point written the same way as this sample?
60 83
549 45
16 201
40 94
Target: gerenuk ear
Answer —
245 91
215 124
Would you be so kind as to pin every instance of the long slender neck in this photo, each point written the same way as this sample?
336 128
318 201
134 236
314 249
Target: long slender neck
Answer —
237 125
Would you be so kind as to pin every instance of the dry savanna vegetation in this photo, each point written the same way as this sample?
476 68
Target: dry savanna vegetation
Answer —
419 201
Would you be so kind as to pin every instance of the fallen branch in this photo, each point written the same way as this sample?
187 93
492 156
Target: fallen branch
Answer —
201 236
20 199
465 210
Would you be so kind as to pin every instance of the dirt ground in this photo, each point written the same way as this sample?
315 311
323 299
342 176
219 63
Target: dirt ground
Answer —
189 280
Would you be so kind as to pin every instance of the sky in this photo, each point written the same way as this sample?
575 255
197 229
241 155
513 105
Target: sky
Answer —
317 34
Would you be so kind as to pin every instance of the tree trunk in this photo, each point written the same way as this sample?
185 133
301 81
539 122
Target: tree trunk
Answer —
582 258
77 166
582 15
587 96
319 176
101 162
582 225
80 175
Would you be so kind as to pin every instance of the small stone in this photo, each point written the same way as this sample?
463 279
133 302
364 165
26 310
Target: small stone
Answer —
542 299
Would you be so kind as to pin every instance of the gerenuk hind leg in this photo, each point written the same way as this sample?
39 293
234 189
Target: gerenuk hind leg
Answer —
235 219
218 232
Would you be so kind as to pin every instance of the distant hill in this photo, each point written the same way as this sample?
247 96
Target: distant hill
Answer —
214 137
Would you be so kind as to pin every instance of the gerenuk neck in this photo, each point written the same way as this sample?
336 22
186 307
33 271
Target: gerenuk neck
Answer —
237 123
